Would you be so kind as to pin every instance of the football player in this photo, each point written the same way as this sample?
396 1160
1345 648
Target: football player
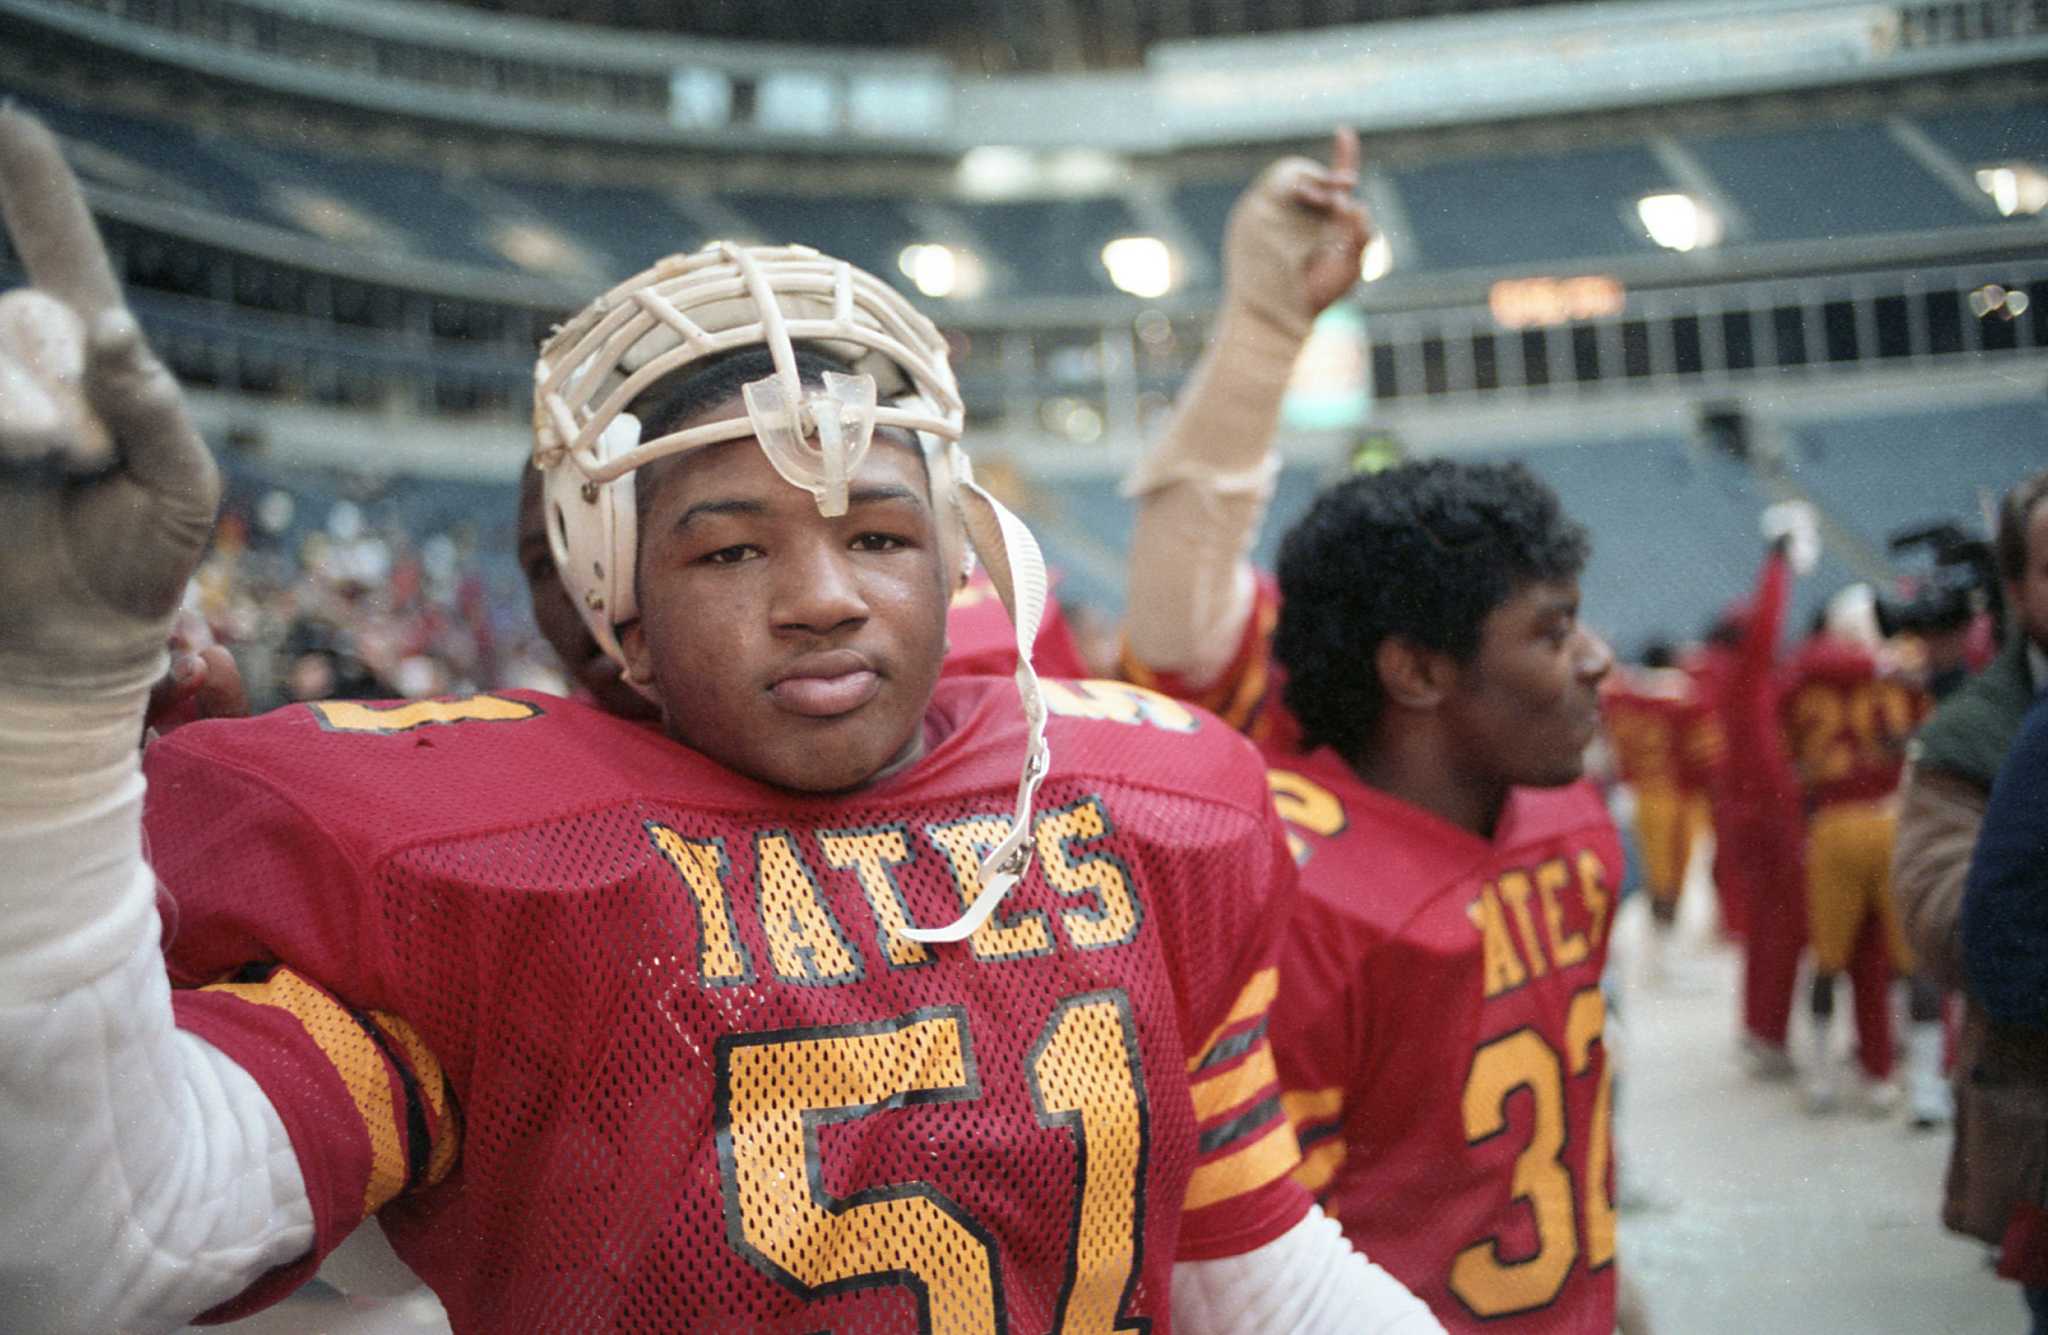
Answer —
978 636
1754 794
1663 745
804 1013
1847 723
1440 1024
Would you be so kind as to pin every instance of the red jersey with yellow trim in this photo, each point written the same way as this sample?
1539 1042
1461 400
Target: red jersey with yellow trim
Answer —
627 1042
1663 733
1251 694
1439 1036
1846 722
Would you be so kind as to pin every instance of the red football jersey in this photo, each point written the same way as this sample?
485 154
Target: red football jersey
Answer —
1439 1034
1251 694
627 1042
1846 723
980 641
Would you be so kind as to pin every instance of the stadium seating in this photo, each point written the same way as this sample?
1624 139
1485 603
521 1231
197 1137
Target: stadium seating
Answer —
1992 134
1880 473
870 233
1825 182
1529 209
628 227
1052 247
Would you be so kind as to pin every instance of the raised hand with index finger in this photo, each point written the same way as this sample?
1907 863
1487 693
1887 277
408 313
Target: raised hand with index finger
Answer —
107 494
1295 238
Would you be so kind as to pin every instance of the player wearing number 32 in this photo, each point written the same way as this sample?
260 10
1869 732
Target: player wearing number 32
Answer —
1439 1028
809 1014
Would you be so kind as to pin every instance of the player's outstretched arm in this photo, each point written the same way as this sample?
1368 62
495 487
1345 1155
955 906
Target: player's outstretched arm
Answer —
146 1177
1292 248
1308 1281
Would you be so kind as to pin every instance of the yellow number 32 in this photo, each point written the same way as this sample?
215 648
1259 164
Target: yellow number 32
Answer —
1487 1284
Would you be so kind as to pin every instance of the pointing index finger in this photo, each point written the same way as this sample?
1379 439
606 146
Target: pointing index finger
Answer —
47 221
1344 152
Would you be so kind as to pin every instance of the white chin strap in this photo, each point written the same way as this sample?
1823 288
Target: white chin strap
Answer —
1017 569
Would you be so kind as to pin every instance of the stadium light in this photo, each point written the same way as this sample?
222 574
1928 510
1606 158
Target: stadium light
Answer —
995 171
1083 171
942 271
2015 187
930 267
1378 259
1679 222
1140 265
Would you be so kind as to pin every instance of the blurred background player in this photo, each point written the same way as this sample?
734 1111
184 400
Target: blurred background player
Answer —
1758 832
1459 880
1664 745
795 636
1847 720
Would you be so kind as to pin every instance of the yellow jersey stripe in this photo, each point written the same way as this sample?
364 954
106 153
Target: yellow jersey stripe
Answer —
1254 1000
1321 1164
446 1136
1236 1086
1271 1156
356 1058
1313 1105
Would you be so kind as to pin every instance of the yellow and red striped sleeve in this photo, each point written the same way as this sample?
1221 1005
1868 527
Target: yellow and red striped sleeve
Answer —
1318 1119
1238 696
369 1110
1240 1194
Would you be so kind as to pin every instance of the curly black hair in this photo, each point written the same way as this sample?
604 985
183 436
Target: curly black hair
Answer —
1424 551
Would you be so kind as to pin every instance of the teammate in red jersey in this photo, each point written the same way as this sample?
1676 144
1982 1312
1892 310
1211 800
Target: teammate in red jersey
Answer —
1440 1020
1847 724
1758 833
1664 743
614 1029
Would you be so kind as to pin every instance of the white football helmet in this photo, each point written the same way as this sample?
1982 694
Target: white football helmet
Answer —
691 307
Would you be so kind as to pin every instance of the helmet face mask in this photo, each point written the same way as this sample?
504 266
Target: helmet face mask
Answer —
691 308
688 309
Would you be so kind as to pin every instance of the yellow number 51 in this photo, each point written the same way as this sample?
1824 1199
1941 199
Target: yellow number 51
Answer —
776 1089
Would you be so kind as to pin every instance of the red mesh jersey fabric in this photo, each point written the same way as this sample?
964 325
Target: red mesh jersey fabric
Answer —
701 1085
1439 1032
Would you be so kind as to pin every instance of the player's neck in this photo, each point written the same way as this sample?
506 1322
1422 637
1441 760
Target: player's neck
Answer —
1421 772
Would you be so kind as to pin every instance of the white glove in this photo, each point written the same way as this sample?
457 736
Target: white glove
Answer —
107 497
1799 524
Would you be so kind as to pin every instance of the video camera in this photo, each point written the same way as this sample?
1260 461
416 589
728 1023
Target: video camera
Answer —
1958 580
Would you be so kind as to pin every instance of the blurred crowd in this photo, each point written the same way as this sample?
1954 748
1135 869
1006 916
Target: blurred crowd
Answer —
360 604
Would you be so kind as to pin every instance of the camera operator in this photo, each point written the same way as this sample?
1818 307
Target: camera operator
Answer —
1954 612
2001 1072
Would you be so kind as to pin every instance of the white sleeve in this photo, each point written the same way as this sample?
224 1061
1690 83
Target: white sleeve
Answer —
1306 1281
146 1177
